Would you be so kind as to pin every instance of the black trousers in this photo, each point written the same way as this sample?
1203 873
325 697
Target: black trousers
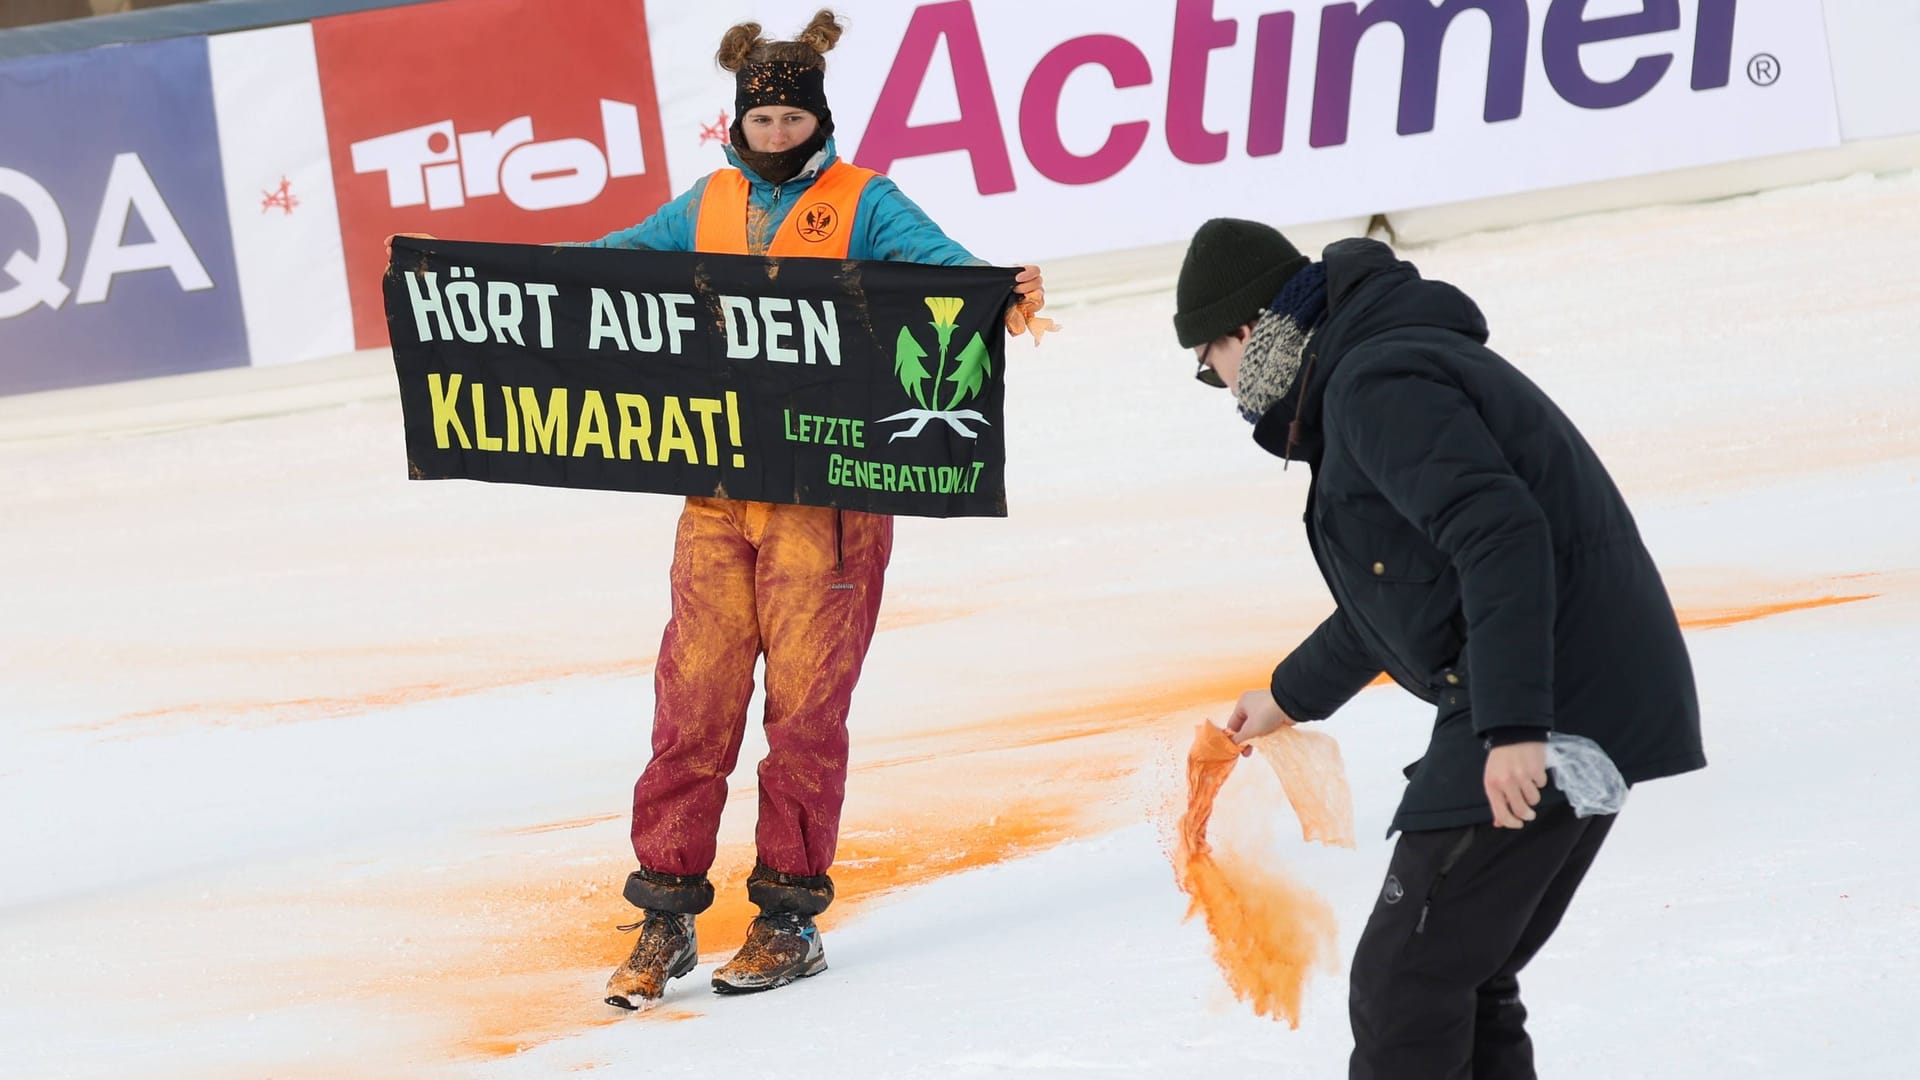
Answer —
1435 991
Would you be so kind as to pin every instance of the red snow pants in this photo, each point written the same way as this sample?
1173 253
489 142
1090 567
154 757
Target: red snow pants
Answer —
801 585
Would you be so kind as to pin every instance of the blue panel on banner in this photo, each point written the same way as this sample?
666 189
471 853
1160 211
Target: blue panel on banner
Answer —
116 256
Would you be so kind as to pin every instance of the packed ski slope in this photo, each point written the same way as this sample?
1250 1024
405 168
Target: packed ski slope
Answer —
310 771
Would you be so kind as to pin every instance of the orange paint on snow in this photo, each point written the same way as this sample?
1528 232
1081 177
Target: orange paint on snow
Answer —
466 676
1268 933
1714 618
913 852
570 823
903 618
502 1041
1139 708
496 966
266 713
552 942
550 945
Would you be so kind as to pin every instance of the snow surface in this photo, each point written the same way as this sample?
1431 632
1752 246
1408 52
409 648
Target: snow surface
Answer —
307 770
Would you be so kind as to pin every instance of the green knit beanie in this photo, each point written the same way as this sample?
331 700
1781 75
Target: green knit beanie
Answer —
1233 269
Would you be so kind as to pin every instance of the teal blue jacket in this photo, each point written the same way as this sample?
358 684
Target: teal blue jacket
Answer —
886 224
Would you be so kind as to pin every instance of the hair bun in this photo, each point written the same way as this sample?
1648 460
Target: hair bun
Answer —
823 32
737 45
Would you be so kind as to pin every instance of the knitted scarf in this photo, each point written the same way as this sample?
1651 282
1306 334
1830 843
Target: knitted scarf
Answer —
1272 361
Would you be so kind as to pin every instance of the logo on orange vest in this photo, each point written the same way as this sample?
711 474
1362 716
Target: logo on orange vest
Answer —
817 222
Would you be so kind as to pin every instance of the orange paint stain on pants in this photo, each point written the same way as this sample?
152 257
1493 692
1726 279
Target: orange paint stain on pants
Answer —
1269 933
801 584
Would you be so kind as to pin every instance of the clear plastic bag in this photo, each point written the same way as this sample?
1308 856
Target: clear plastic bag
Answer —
1585 775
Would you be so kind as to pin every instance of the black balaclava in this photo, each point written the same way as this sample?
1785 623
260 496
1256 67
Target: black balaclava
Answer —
780 82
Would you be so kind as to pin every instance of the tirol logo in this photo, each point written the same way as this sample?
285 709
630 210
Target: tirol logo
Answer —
817 222
433 166
940 395
475 137
1565 28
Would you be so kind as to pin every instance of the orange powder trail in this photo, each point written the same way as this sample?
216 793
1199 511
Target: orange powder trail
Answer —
1715 618
1268 932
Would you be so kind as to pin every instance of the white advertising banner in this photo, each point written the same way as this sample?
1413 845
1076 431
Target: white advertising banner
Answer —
280 194
1035 130
1873 44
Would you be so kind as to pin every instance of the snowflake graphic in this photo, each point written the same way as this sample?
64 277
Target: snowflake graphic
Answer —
716 131
281 197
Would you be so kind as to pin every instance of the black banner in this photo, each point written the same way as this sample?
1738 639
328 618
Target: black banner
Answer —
861 385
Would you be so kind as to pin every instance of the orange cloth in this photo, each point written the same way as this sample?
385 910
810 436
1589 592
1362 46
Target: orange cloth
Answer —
1268 932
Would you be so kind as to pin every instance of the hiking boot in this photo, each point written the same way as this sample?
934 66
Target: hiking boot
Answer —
780 948
666 950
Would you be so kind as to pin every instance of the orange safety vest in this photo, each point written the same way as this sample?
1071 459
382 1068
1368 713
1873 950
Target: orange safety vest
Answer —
820 226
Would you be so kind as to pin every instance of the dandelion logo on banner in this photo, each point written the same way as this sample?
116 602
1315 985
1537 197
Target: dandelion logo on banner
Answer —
939 394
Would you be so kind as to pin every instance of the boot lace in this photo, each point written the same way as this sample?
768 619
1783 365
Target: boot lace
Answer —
764 945
663 921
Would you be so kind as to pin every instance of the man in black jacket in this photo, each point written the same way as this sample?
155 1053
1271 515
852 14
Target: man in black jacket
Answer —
1477 552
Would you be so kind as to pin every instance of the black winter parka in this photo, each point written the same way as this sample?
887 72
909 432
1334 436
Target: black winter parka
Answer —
1476 548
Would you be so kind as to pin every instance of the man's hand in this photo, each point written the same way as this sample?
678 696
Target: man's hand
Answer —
1515 775
1255 715
415 235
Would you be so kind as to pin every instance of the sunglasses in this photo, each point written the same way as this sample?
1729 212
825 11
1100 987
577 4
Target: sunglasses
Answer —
1206 374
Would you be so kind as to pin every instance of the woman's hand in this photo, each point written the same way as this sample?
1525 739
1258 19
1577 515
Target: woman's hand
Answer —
414 235
1032 294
